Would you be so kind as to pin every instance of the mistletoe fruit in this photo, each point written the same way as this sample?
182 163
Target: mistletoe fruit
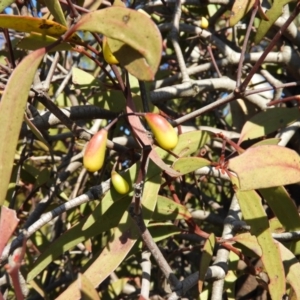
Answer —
107 54
119 183
94 154
204 23
163 131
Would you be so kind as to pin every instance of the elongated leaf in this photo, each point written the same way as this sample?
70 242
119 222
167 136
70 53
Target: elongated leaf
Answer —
239 10
187 165
292 268
130 59
272 14
283 207
272 141
124 238
87 290
161 231
268 121
81 77
167 209
5 3
34 41
249 241
207 254
8 224
231 276
285 210
254 214
130 27
13 103
266 166
114 289
31 24
55 9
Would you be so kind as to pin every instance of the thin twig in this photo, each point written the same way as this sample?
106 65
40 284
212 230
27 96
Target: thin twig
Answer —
244 48
174 34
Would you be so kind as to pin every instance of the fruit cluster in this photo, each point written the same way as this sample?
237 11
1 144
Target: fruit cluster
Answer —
94 155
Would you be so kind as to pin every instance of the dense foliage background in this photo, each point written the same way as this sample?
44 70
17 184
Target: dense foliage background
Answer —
219 212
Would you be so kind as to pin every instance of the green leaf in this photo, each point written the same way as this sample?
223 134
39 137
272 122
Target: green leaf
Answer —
87 291
272 14
249 241
34 41
13 103
130 59
292 268
55 9
271 141
266 166
239 10
114 289
254 214
37 25
187 165
268 121
284 209
207 254
188 143
167 209
4 4
130 27
81 77
161 231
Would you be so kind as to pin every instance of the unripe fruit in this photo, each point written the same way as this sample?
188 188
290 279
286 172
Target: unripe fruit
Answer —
119 183
94 154
107 54
204 23
163 131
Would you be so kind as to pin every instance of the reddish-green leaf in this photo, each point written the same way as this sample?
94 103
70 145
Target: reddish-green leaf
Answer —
13 103
254 214
266 166
131 28
8 224
268 121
